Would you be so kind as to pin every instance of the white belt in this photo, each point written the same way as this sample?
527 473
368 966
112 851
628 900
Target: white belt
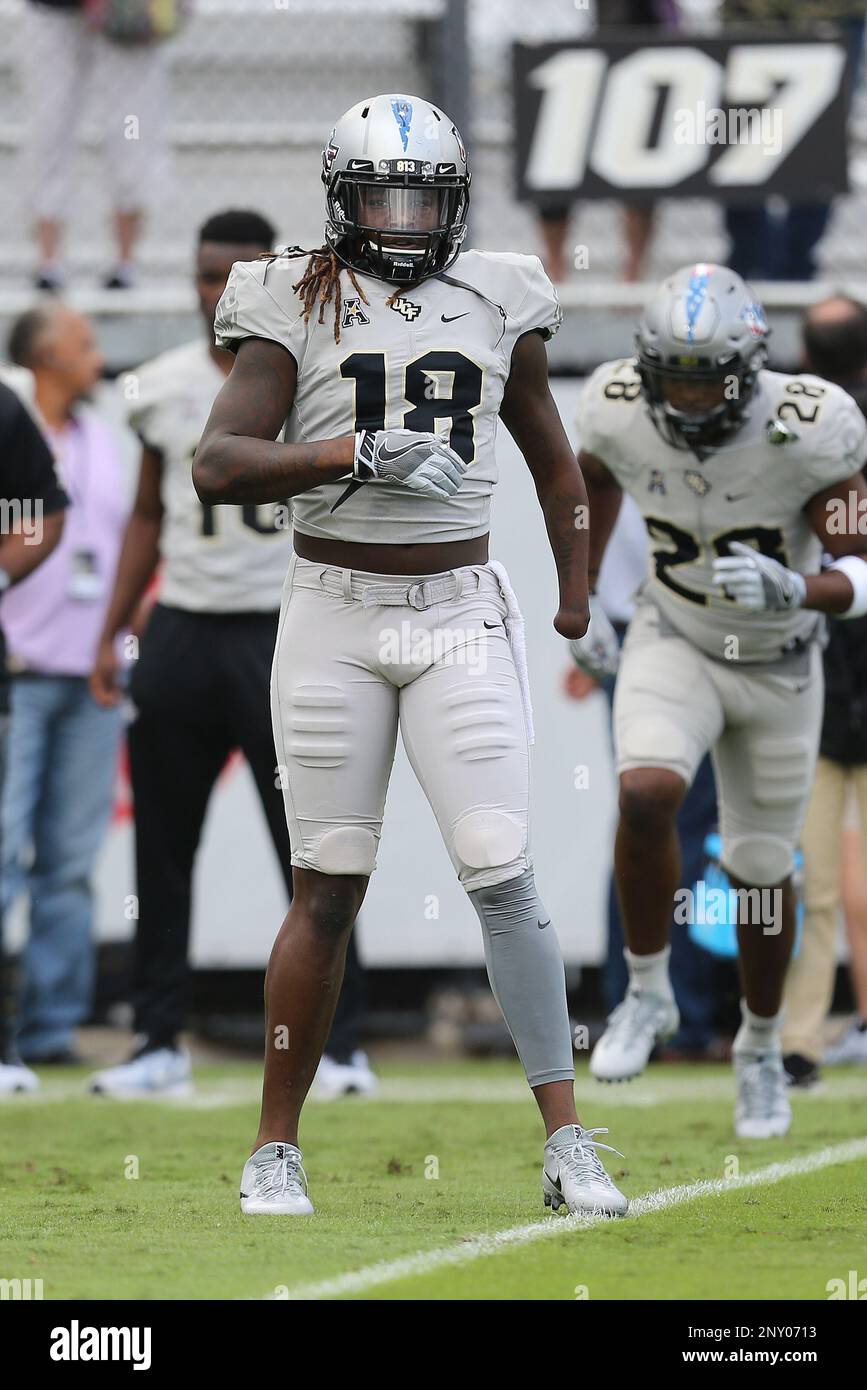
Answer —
419 594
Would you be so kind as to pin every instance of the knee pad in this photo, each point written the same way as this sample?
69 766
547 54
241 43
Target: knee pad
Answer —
348 849
758 859
488 839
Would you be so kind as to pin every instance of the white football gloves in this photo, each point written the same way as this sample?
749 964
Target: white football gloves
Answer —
757 582
420 461
598 651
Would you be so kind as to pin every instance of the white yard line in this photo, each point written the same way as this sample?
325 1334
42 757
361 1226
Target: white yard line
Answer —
477 1247
589 1095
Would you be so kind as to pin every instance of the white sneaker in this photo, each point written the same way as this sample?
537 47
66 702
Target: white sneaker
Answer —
15 1079
633 1029
273 1183
573 1175
762 1109
166 1071
850 1049
335 1079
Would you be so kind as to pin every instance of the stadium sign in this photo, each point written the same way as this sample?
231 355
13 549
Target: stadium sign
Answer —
630 114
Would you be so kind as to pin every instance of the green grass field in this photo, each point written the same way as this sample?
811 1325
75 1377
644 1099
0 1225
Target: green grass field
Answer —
108 1200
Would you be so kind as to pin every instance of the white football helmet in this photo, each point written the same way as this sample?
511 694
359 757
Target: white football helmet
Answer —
397 188
704 323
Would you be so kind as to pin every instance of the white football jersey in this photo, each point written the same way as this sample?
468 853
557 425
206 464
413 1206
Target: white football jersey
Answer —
437 359
801 435
216 559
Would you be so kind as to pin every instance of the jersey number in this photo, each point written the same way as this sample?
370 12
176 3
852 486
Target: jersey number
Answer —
420 377
802 408
685 549
249 517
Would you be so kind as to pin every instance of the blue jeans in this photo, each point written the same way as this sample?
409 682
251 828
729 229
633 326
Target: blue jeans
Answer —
62 754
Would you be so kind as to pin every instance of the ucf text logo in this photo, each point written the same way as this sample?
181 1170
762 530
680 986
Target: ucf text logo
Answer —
406 307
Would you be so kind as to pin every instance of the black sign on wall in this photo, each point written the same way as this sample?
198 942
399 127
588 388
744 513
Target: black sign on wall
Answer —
633 114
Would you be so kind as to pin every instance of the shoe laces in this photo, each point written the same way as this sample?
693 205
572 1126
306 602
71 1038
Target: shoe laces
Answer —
277 1176
582 1157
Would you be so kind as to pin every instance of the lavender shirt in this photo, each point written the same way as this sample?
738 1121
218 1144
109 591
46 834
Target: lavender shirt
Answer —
48 628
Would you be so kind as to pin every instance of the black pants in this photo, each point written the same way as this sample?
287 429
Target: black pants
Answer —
201 690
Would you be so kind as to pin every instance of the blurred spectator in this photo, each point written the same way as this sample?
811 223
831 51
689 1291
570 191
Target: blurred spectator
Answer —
777 240
63 750
29 483
493 30
71 55
835 347
201 683
693 971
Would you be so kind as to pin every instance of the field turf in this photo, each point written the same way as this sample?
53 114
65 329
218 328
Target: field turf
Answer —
415 1189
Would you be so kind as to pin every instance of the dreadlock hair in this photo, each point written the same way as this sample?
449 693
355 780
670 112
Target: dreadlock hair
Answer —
321 279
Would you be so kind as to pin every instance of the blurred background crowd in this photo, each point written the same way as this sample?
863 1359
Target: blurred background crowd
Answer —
145 145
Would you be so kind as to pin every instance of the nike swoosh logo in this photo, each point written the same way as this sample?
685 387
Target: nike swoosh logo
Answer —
487 624
540 925
450 318
386 457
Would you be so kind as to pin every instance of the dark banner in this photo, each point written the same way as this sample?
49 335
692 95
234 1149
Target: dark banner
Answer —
633 115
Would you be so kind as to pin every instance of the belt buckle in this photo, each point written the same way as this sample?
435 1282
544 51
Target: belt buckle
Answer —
412 595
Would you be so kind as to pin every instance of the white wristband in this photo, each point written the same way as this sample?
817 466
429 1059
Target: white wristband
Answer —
855 570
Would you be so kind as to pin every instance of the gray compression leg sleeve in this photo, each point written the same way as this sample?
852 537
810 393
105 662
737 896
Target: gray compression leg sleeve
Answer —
526 972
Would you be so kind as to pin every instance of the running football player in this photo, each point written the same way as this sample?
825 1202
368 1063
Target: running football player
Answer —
740 474
389 361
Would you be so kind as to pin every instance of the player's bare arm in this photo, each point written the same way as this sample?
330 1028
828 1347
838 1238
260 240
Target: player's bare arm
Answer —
605 496
20 554
833 591
532 418
139 556
239 458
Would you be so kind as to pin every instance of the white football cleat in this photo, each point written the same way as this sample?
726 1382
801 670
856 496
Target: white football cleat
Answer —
573 1175
273 1183
762 1109
633 1030
850 1049
166 1071
350 1078
16 1079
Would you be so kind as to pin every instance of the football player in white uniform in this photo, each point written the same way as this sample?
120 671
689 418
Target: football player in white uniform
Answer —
740 474
389 362
200 683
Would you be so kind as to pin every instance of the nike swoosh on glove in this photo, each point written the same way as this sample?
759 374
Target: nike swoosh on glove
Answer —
598 651
414 459
757 582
